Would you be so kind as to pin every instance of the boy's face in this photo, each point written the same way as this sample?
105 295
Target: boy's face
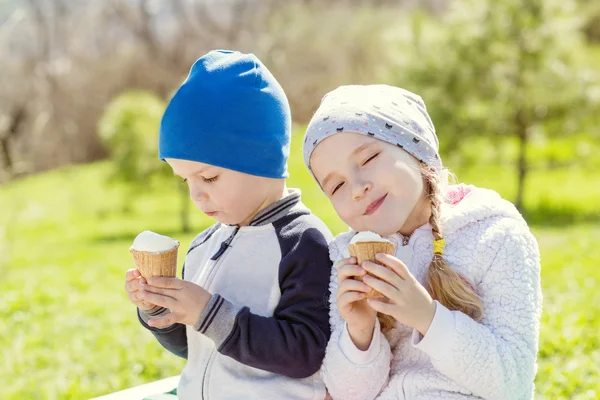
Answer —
373 186
229 196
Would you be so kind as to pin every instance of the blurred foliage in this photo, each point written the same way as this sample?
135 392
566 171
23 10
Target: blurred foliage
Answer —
314 48
590 13
129 129
493 68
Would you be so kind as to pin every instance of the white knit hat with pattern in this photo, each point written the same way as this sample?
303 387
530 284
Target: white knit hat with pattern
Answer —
384 112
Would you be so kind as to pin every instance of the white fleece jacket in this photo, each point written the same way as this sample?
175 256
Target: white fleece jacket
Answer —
490 244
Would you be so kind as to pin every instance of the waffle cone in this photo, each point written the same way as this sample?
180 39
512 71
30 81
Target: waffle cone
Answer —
156 264
366 251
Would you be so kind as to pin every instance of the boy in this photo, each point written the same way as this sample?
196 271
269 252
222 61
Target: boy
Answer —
250 315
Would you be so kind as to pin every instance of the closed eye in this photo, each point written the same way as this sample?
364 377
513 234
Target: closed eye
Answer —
335 189
210 180
370 159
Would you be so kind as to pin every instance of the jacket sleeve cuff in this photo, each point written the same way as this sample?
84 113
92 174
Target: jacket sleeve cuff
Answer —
147 315
218 319
353 353
436 340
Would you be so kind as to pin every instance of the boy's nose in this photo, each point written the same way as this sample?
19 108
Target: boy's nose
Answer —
198 195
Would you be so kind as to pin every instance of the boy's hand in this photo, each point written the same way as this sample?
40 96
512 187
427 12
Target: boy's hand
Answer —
184 299
133 279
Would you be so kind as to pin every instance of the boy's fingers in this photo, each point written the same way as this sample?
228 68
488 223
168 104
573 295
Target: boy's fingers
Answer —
162 291
132 286
135 299
135 285
131 274
158 299
165 282
165 320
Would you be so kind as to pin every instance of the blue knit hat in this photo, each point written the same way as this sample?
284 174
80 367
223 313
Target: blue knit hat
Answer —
230 112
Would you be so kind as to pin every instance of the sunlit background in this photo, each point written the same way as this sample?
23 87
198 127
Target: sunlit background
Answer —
512 87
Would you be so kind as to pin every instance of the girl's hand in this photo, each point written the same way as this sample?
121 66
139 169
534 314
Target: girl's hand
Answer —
351 304
408 301
185 300
133 280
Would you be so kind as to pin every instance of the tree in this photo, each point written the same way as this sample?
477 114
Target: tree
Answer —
509 67
129 128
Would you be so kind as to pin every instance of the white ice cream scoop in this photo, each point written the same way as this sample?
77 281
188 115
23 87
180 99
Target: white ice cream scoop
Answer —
367 236
153 242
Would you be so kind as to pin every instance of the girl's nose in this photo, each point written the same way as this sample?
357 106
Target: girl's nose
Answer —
361 188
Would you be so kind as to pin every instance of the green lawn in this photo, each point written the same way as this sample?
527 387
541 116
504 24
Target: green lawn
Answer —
68 331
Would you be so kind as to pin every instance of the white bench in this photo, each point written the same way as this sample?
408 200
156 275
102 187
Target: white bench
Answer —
148 389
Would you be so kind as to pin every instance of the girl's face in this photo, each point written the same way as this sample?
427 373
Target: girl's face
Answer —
229 196
373 185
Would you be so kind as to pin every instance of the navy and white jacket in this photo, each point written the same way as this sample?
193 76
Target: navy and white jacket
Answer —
264 332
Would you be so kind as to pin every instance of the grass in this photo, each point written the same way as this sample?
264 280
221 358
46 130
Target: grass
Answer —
69 332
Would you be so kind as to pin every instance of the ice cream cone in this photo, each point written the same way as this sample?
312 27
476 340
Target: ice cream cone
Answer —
366 251
155 255
156 264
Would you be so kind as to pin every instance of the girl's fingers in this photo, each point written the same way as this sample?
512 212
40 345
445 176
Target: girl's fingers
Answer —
395 264
348 298
382 287
344 261
383 273
352 285
350 270
379 306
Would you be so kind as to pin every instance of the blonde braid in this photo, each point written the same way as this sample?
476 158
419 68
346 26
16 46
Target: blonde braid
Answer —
446 285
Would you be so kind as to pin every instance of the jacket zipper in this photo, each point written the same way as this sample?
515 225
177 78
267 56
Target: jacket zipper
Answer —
222 249
225 245
215 258
204 381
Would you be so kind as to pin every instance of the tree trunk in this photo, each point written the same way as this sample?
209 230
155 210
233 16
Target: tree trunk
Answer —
185 209
6 158
522 132
18 117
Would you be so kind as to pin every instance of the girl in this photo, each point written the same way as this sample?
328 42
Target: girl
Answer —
462 303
